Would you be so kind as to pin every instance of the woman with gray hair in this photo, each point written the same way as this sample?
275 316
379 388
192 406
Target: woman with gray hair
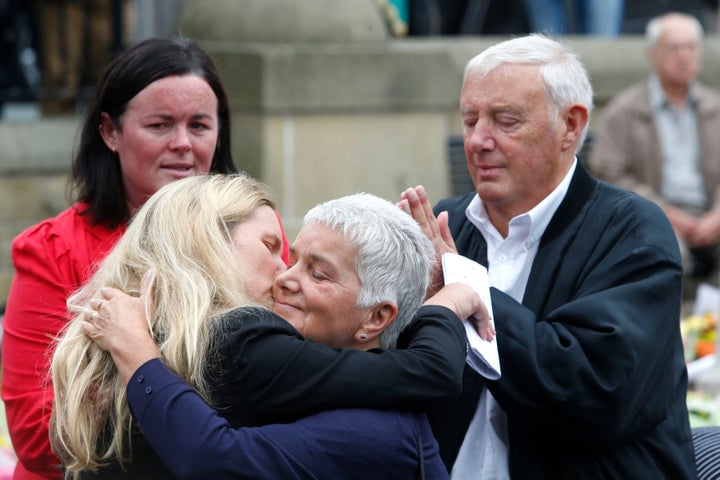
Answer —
258 367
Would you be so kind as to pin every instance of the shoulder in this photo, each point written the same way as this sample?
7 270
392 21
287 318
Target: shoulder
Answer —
67 225
708 99
624 213
69 233
632 99
56 234
618 200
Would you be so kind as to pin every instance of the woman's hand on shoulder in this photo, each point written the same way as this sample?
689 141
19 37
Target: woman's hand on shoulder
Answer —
118 324
467 305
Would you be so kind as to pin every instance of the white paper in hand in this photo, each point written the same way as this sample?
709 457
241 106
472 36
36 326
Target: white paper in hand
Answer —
483 355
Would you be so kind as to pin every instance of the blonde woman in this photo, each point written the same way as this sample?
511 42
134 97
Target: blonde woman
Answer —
215 249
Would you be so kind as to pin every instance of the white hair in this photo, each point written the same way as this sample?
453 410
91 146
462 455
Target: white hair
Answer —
394 255
654 28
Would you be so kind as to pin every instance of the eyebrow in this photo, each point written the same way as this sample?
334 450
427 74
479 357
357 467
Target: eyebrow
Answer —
166 116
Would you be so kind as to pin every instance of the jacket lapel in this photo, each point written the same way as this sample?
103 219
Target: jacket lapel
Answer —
557 236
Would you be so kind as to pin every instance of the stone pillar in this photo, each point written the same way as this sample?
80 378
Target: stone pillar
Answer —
324 103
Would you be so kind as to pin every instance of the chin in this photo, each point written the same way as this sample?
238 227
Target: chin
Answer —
299 326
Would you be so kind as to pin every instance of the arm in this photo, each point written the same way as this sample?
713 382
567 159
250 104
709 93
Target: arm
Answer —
600 359
707 230
190 438
36 312
300 377
194 442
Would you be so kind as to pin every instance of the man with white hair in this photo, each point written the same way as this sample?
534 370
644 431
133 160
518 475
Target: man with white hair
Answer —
585 285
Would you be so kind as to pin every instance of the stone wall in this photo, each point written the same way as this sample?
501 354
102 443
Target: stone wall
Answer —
316 120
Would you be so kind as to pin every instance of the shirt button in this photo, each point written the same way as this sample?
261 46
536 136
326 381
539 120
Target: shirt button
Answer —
140 378
148 390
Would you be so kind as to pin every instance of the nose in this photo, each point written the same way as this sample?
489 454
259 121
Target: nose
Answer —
286 279
480 138
180 140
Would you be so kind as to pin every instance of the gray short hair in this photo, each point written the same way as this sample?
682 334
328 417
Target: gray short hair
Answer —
654 27
394 255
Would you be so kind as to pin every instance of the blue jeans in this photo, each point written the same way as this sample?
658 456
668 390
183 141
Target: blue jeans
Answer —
591 17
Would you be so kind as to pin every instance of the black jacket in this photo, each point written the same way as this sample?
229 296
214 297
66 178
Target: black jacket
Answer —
593 374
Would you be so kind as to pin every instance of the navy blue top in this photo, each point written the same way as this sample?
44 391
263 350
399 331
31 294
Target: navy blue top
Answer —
264 372
194 442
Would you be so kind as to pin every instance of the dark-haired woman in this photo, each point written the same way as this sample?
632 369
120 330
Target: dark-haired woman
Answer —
160 113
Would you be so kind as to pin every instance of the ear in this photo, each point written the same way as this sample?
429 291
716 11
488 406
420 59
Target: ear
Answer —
108 131
576 117
380 318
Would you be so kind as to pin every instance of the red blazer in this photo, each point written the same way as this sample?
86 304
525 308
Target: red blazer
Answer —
52 259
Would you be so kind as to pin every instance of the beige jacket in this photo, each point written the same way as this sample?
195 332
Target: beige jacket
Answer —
626 149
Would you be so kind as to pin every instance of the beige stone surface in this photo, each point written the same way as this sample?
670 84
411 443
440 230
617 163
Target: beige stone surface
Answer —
313 158
283 20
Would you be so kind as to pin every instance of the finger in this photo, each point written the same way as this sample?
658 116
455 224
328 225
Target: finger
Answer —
80 310
443 220
404 206
87 328
96 303
427 208
419 212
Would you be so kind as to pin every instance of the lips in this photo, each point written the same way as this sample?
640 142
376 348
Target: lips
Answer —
180 167
283 309
487 170
179 170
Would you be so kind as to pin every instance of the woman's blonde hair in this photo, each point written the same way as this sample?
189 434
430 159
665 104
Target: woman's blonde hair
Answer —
182 234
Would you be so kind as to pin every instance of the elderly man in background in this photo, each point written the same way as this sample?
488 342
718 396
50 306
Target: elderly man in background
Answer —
661 139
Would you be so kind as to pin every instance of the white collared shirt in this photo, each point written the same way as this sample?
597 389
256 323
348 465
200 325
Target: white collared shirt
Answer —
484 452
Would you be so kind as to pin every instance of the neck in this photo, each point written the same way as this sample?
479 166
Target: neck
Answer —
677 94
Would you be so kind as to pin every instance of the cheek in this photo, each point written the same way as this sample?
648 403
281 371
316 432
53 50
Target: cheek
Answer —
268 269
206 151
138 154
135 171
